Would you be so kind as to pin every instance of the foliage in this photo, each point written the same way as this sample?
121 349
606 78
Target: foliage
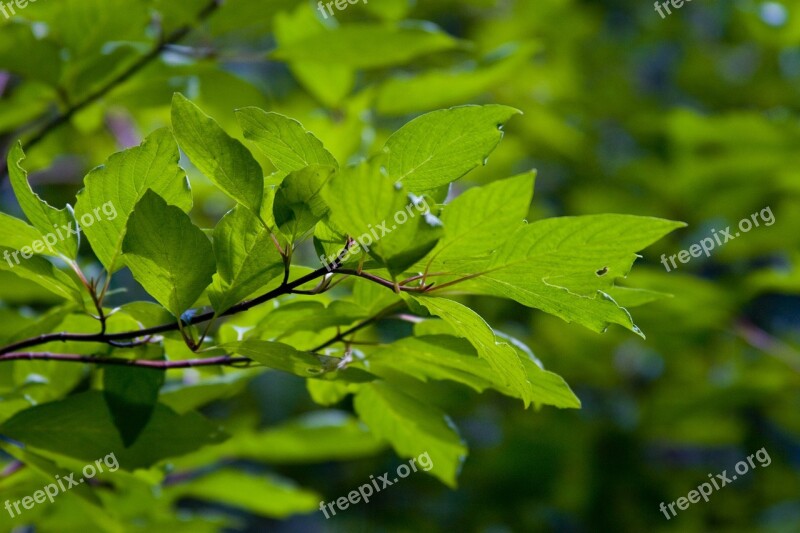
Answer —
251 150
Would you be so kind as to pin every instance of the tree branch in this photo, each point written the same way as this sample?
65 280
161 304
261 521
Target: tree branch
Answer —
114 338
380 281
163 328
138 65
222 360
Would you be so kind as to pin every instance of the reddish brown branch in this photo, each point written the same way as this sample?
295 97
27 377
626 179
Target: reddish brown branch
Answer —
223 360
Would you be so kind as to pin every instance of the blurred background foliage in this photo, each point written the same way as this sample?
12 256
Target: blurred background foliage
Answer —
693 117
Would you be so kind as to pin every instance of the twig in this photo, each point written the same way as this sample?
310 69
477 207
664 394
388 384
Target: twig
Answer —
380 281
138 65
107 338
761 340
172 326
222 360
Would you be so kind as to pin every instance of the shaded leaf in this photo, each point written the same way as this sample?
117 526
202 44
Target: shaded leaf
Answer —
412 428
177 266
131 394
81 426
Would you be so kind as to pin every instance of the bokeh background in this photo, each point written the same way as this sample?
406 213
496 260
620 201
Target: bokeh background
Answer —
690 117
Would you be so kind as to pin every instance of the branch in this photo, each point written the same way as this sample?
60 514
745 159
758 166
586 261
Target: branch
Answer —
399 287
172 326
113 338
223 360
761 340
138 65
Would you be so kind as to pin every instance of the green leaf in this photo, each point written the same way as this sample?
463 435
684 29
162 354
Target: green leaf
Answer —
49 470
444 357
223 160
269 496
564 266
42 272
288 359
361 45
329 83
480 218
131 394
247 258
41 60
82 427
291 317
412 428
185 397
439 357
116 187
328 393
298 205
15 233
84 26
394 227
436 89
315 437
167 254
45 218
440 147
634 297
283 140
502 357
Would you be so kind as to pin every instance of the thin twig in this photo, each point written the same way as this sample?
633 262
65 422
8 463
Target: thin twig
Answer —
138 65
380 281
172 326
222 360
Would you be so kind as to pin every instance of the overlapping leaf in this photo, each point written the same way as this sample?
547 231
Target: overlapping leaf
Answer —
111 191
223 160
171 257
42 215
283 140
247 258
